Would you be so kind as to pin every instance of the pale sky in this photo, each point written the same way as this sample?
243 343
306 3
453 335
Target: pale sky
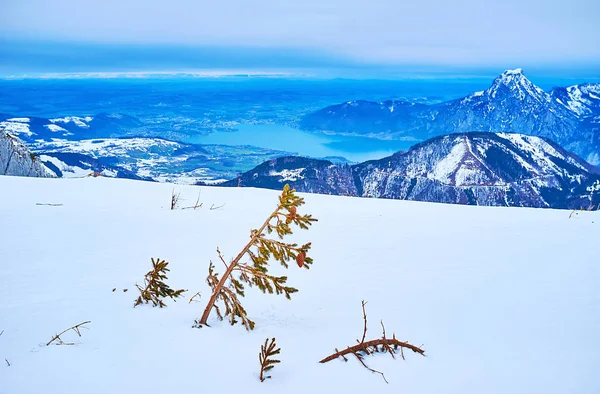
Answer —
387 32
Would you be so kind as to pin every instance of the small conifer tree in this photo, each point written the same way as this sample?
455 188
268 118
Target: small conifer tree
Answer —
265 357
259 250
155 288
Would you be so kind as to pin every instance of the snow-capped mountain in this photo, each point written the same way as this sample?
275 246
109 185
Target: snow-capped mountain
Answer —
582 99
479 168
16 159
511 104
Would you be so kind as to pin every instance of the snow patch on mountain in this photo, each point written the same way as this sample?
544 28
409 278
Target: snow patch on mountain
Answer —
449 164
288 175
78 121
21 120
110 146
584 99
54 128
16 127
66 171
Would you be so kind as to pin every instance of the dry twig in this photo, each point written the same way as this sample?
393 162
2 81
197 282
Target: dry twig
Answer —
192 298
74 328
381 345
174 199
197 205
212 207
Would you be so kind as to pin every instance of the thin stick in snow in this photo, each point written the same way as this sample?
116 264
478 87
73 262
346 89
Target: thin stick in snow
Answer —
74 328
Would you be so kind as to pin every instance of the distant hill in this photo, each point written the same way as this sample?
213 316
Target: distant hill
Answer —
478 168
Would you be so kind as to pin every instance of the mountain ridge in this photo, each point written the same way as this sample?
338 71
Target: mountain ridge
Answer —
511 104
475 168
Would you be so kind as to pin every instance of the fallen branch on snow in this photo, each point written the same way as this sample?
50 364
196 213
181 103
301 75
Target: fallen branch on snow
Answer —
74 328
381 345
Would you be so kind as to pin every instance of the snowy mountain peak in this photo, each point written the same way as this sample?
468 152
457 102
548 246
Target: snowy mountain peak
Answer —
516 71
514 83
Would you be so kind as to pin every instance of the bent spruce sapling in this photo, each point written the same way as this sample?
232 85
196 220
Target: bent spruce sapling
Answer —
259 250
155 288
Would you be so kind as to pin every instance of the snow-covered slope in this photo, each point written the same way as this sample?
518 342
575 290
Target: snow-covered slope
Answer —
582 99
483 169
503 300
16 159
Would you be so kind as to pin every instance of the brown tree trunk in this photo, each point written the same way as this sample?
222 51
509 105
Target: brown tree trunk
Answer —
232 265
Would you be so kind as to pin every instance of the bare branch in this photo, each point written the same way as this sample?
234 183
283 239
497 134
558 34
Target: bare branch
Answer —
222 259
74 328
369 368
381 345
365 319
174 199
197 205
194 296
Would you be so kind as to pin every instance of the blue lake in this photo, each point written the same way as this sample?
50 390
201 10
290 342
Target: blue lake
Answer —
298 142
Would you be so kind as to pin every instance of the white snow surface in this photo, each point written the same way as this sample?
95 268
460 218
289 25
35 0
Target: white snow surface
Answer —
504 300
